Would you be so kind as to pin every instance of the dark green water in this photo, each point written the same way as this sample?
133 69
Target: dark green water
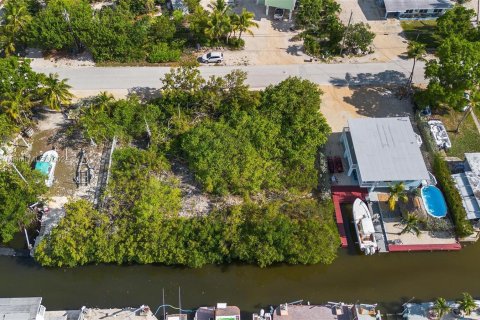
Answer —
388 278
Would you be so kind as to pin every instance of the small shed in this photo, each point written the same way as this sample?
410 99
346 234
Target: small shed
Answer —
416 9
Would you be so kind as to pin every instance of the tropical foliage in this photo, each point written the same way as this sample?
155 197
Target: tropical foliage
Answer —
21 89
396 193
125 32
16 196
324 35
235 141
454 201
411 224
467 304
299 232
441 307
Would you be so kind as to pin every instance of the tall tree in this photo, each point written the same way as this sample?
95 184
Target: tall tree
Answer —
17 104
245 23
453 73
16 19
55 92
415 51
457 22
218 26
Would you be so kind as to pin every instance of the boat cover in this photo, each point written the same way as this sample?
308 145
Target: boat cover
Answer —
367 225
43 167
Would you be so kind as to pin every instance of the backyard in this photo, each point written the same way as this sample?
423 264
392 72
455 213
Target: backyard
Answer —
468 137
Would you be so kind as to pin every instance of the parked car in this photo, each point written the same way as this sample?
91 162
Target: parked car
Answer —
212 57
278 14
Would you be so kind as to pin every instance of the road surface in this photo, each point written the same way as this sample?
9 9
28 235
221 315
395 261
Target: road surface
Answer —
96 79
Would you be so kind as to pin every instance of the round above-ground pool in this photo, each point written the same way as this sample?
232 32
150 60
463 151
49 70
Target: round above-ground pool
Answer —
434 201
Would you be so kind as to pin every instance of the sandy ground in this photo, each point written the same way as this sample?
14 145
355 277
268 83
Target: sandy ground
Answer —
342 103
271 42
389 43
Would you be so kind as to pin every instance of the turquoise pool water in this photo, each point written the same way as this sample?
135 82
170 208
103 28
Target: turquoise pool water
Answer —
434 201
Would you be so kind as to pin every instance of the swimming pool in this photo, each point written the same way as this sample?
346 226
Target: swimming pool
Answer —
434 201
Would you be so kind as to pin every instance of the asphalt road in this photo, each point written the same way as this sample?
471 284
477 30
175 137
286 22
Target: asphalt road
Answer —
128 78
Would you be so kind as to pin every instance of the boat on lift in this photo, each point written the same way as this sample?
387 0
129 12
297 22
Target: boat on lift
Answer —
364 227
46 165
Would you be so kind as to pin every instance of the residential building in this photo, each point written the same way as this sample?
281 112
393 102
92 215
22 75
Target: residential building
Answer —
221 312
22 309
468 184
381 152
282 4
416 9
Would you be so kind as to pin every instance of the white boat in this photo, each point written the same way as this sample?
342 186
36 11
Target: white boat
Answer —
439 134
364 227
46 165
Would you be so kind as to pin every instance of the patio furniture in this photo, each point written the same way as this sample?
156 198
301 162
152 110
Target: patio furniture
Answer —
331 166
338 164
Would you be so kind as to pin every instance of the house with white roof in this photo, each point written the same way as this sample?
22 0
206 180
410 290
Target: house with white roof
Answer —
380 152
468 184
416 9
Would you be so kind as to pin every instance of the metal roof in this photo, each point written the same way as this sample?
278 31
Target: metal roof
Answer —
387 150
19 308
403 5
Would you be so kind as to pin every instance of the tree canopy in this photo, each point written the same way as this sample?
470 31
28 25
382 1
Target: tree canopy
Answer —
16 196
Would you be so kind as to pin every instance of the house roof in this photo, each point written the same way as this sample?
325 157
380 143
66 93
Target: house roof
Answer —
19 308
403 5
282 4
387 150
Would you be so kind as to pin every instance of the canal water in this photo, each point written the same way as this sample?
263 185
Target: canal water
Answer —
386 278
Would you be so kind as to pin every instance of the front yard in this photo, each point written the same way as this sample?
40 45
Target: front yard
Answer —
421 31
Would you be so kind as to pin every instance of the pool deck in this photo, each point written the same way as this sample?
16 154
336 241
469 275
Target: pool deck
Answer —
387 229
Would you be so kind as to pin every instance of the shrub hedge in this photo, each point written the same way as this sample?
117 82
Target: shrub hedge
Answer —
452 197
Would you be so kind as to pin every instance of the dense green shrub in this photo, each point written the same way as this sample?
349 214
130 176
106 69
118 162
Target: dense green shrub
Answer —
236 43
302 231
454 201
163 53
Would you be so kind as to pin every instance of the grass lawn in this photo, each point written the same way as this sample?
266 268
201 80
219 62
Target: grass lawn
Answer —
467 140
421 31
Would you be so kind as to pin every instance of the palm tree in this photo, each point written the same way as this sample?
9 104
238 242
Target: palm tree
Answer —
415 51
219 5
441 307
410 225
55 91
16 18
218 26
245 23
397 192
234 21
467 304
16 103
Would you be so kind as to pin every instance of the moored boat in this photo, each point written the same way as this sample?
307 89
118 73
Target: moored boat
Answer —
364 227
46 165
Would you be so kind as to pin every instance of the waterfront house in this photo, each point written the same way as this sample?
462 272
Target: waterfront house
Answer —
415 9
425 311
330 311
468 185
221 312
381 152
22 309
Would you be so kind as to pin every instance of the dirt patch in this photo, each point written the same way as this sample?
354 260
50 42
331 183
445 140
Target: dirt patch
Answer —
341 103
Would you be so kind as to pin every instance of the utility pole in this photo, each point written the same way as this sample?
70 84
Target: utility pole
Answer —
163 303
180 301
346 30
478 10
